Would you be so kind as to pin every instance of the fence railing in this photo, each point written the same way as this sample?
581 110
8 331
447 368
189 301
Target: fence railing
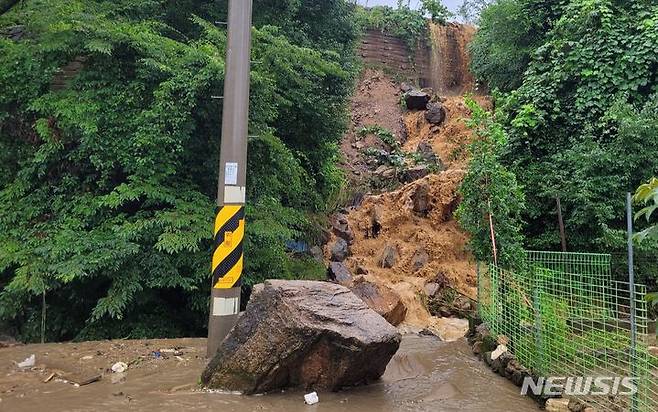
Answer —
565 317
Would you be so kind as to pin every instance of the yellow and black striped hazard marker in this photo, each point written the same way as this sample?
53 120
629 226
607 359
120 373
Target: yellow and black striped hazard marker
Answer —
227 258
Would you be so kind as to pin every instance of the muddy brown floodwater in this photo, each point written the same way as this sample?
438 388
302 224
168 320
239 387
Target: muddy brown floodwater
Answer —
425 375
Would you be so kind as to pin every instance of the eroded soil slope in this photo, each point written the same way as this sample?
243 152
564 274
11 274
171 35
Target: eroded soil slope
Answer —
413 224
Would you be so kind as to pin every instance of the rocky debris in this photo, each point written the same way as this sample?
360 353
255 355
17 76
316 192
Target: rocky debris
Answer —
316 253
420 198
339 250
119 367
416 100
361 270
502 340
493 351
302 334
405 87
420 259
385 172
375 221
435 114
414 173
381 299
389 256
339 273
498 352
341 228
425 152
431 289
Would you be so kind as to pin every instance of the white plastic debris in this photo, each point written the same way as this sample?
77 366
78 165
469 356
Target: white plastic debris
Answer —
311 398
499 351
119 367
28 362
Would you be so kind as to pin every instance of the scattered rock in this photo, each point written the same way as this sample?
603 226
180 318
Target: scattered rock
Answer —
420 259
435 114
381 299
416 100
499 351
341 228
477 347
405 87
389 256
340 250
557 405
119 367
316 253
502 340
482 331
385 172
340 274
653 350
361 270
302 334
431 289
415 173
462 305
375 221
421 200
425 151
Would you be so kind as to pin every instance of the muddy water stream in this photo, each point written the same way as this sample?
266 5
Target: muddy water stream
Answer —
425 375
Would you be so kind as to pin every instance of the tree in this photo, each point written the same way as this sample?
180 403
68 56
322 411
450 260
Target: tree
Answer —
492 200
108 174
437 11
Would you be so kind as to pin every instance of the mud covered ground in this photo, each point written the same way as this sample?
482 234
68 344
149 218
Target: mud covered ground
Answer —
425 375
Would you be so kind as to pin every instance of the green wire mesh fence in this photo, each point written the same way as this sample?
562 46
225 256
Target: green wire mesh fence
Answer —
566 317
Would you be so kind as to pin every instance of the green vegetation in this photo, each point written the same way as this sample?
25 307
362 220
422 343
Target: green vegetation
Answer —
577 95
647 196
108 179
490 189
437 11
402 22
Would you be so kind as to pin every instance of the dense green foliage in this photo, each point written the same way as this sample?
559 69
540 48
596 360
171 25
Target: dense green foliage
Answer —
647 197
107 182
403 22
437 11
490 189
582 114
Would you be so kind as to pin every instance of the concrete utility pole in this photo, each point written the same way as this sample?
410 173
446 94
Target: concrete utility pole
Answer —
227 259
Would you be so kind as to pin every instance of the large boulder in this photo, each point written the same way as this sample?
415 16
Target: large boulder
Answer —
313 335
435 114
416 100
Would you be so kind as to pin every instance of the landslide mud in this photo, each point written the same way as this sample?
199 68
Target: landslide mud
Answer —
425 375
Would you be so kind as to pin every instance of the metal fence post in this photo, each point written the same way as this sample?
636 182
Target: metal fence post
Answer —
631 291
